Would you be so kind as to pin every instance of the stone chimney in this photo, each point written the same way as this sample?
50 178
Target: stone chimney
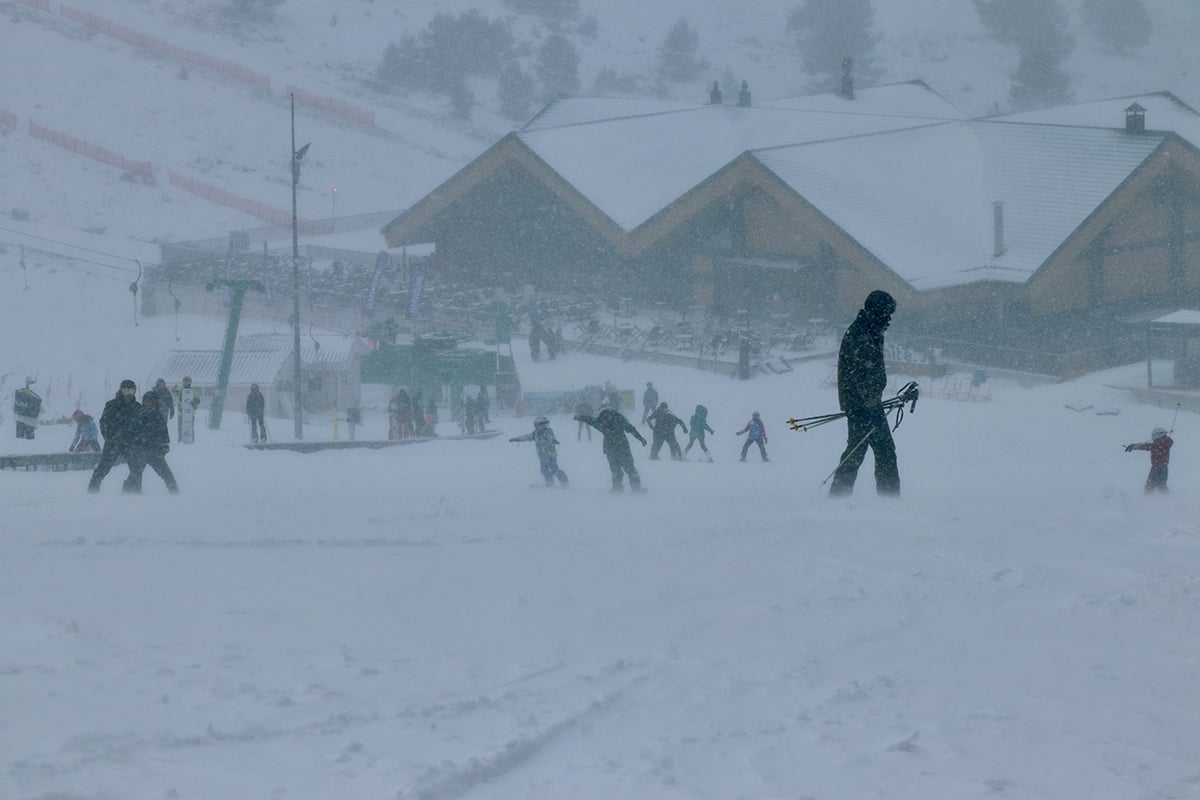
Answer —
744 95
714 94
847 90
997 229
1135 119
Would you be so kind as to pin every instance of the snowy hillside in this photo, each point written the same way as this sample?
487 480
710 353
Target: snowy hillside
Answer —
130 80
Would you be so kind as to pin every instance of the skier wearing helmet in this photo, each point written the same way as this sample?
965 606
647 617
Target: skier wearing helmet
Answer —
758 435
547 451
662 423
1160 457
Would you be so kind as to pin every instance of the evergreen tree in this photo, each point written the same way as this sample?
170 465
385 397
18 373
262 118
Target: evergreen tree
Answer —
829 31
1038 82
1038 28
462 100
515 92
1120 24
558 66
450 48
610 81
677 57
589 28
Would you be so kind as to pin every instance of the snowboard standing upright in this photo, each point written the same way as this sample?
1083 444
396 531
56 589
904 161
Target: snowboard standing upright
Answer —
187 415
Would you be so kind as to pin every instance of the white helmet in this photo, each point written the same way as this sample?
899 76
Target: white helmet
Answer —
1158 433
540 421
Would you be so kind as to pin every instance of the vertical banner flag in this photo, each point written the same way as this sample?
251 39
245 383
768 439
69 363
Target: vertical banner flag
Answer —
381 264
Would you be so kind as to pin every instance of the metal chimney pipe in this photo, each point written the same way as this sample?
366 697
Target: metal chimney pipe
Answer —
997 229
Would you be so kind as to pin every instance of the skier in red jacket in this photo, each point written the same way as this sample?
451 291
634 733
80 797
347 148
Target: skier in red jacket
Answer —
1160 456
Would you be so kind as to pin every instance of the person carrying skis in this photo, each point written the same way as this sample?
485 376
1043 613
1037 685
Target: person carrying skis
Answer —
547 450
148 445
256 406
87 435
27 407
699 426
188 400
662 423
862 377
757 435
614 427
115 422
1160 457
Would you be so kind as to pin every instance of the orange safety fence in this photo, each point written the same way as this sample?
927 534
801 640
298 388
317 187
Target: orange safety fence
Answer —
337 107
256 79
92 151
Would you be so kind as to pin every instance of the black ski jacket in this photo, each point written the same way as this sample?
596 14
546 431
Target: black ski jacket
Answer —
117 416
663 423
613 427
862 376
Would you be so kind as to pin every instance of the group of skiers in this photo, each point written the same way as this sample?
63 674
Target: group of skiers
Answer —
410 417
475 411
137 433
616 429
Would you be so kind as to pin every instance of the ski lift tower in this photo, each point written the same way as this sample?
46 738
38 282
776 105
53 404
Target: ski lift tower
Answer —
238 289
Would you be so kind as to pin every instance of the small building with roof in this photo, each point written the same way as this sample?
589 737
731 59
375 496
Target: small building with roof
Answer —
331 366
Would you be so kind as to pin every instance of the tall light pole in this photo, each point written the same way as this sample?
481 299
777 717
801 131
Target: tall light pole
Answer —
299 395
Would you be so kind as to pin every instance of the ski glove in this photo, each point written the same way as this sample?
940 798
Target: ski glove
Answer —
1128 448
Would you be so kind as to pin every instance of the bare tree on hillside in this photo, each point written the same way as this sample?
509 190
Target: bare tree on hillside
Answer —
828 32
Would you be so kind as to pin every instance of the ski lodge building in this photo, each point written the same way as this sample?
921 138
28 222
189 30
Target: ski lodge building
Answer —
1041 240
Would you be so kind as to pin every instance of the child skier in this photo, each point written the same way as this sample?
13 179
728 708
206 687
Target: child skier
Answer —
662 422
87 435
758 435
543 436
699 426
1160 456
613 427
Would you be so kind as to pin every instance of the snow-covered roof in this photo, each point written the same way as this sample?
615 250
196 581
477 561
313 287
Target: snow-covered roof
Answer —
257 358
255 366
633 167
582 110
911 98
929 214
1184 316
322 349
1163 111
633 156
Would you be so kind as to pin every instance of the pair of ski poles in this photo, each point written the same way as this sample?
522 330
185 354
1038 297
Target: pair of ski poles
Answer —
908 394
